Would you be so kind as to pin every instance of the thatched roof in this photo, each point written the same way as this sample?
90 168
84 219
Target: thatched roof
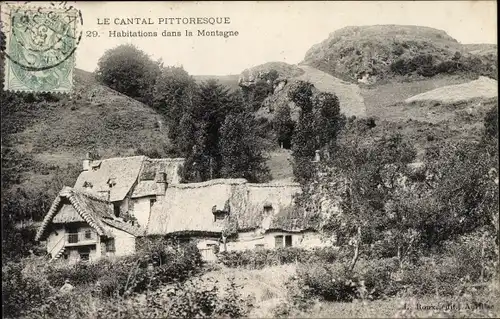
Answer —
94 210
121 173
144 188
126 227
170 166
277 196
191 207
293 220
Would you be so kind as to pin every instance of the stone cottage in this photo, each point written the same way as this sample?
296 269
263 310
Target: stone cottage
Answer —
117 200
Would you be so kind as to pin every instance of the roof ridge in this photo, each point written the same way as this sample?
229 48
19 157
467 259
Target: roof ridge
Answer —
125 157
218 181
90 195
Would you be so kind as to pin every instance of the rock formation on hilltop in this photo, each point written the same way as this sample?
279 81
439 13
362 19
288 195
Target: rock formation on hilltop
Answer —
368 53
275 72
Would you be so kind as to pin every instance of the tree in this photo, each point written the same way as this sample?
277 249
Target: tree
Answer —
213 103
130 71
318 125
327 118
354 186
240 149
174 95
303 140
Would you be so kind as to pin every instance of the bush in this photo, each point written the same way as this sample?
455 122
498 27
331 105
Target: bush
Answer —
20 292
328 282
157 263
196 298
256 259
74 304
377 275
77 274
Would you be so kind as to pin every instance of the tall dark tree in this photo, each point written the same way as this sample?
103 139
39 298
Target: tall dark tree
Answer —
175 95
319 123
328 121
240 149
213 103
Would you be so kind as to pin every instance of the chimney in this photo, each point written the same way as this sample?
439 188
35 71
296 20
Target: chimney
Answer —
87 161
161 183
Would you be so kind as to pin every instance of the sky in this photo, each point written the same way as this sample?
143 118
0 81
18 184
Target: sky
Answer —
268 31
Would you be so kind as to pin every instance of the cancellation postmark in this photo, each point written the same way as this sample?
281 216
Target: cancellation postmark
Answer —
40 47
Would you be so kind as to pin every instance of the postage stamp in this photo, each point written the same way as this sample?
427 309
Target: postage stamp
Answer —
40 48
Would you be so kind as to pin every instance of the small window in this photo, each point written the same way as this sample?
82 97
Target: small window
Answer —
84 256
268 209
278 240
110 245
111 182
88 234
219 217
288 241
116 209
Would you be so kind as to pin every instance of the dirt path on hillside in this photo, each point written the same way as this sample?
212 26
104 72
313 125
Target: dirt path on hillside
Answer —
349 94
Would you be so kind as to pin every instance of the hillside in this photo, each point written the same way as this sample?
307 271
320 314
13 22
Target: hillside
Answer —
53 131
482 88
380 52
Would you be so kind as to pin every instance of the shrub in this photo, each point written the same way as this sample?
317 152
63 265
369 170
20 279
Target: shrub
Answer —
256 259
133 273
232 304
196 298
77 274
20 293
74 304
329 282
377 276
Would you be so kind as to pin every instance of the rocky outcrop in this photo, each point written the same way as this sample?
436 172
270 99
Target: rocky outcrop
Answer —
366 54
270 73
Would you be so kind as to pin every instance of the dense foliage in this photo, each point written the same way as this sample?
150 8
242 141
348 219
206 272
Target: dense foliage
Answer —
256 259
221 132
157 263
130 71
318 126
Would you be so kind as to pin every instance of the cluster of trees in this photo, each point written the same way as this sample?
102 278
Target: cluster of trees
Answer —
212 127
319 123
215 129
399 209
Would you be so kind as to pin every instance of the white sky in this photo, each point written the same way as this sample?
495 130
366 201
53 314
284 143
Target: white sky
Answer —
271 31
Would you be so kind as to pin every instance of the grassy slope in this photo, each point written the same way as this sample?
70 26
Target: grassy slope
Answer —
267 287
352 102
95 118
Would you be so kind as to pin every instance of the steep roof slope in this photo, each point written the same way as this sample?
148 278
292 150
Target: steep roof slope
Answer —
122 172
92 209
